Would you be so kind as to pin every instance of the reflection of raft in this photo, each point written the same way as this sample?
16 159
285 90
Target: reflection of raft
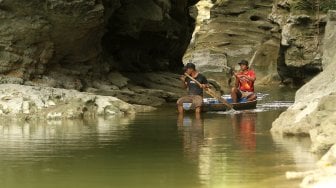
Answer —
212 104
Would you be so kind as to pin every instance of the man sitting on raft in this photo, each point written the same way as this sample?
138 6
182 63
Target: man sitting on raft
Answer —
195 91
244 85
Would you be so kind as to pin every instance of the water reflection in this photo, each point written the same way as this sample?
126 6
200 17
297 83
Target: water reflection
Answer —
244 126
195 147
157 149
190 128
298 148
20 140
210 143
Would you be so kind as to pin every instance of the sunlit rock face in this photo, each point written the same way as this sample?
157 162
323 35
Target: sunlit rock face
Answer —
329 39
301 25
313 112
228 31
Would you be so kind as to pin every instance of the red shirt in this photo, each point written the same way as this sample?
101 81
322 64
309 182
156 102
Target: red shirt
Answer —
244 83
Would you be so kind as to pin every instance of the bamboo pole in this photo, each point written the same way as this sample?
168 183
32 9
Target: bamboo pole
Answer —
210 92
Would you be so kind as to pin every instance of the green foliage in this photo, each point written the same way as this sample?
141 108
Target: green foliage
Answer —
308 5
314 5
326 5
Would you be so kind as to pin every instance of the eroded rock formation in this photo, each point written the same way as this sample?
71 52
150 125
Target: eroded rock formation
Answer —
228 31
85 44
313 107
301 25
313 114
281 38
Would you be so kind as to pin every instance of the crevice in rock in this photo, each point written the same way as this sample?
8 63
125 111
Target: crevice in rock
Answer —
296 76
255 18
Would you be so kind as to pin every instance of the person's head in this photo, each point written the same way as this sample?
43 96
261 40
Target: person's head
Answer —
243 64
189 68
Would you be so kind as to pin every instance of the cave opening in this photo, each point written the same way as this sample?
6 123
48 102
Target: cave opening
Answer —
148 41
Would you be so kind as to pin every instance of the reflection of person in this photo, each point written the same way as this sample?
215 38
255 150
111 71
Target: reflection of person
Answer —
195 91
191 131
244 125
244 86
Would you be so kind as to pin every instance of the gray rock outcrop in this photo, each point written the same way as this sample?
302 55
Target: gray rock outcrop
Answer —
93 46
31 102
313 110
301 25
313 114
229 31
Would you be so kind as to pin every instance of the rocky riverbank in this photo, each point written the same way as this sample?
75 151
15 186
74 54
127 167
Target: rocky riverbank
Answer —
313 114
117 48
32 102
118 94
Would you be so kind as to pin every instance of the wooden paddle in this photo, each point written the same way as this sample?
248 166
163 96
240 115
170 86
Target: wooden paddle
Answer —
210 92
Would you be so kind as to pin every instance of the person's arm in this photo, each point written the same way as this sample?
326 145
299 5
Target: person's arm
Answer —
238 77
183 79
251 76
204 83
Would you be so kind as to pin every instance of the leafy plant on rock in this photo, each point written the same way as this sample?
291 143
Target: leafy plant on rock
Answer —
314 5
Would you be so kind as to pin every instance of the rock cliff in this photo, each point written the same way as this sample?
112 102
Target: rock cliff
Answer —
313 114
282 39
99 46
228 31
313 110
123 48
301 25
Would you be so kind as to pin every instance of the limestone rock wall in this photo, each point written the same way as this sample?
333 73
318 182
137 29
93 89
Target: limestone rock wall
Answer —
89 37
329 39
301 25
313 114
36 36
85 44
228 31
313 111
282 39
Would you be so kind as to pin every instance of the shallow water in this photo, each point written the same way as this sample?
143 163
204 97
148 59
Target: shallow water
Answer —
158 149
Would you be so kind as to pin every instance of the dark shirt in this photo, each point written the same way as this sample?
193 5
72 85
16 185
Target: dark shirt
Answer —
193 87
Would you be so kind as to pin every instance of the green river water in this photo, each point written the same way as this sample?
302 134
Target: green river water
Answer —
157 149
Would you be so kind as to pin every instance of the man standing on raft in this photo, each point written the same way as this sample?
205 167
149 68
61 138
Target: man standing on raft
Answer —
244 85
195 91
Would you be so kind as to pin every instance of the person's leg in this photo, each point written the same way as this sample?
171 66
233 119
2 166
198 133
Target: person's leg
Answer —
198 110
180 119
180 101
235 94
197 116
251 97
179 104
197 102
180 109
